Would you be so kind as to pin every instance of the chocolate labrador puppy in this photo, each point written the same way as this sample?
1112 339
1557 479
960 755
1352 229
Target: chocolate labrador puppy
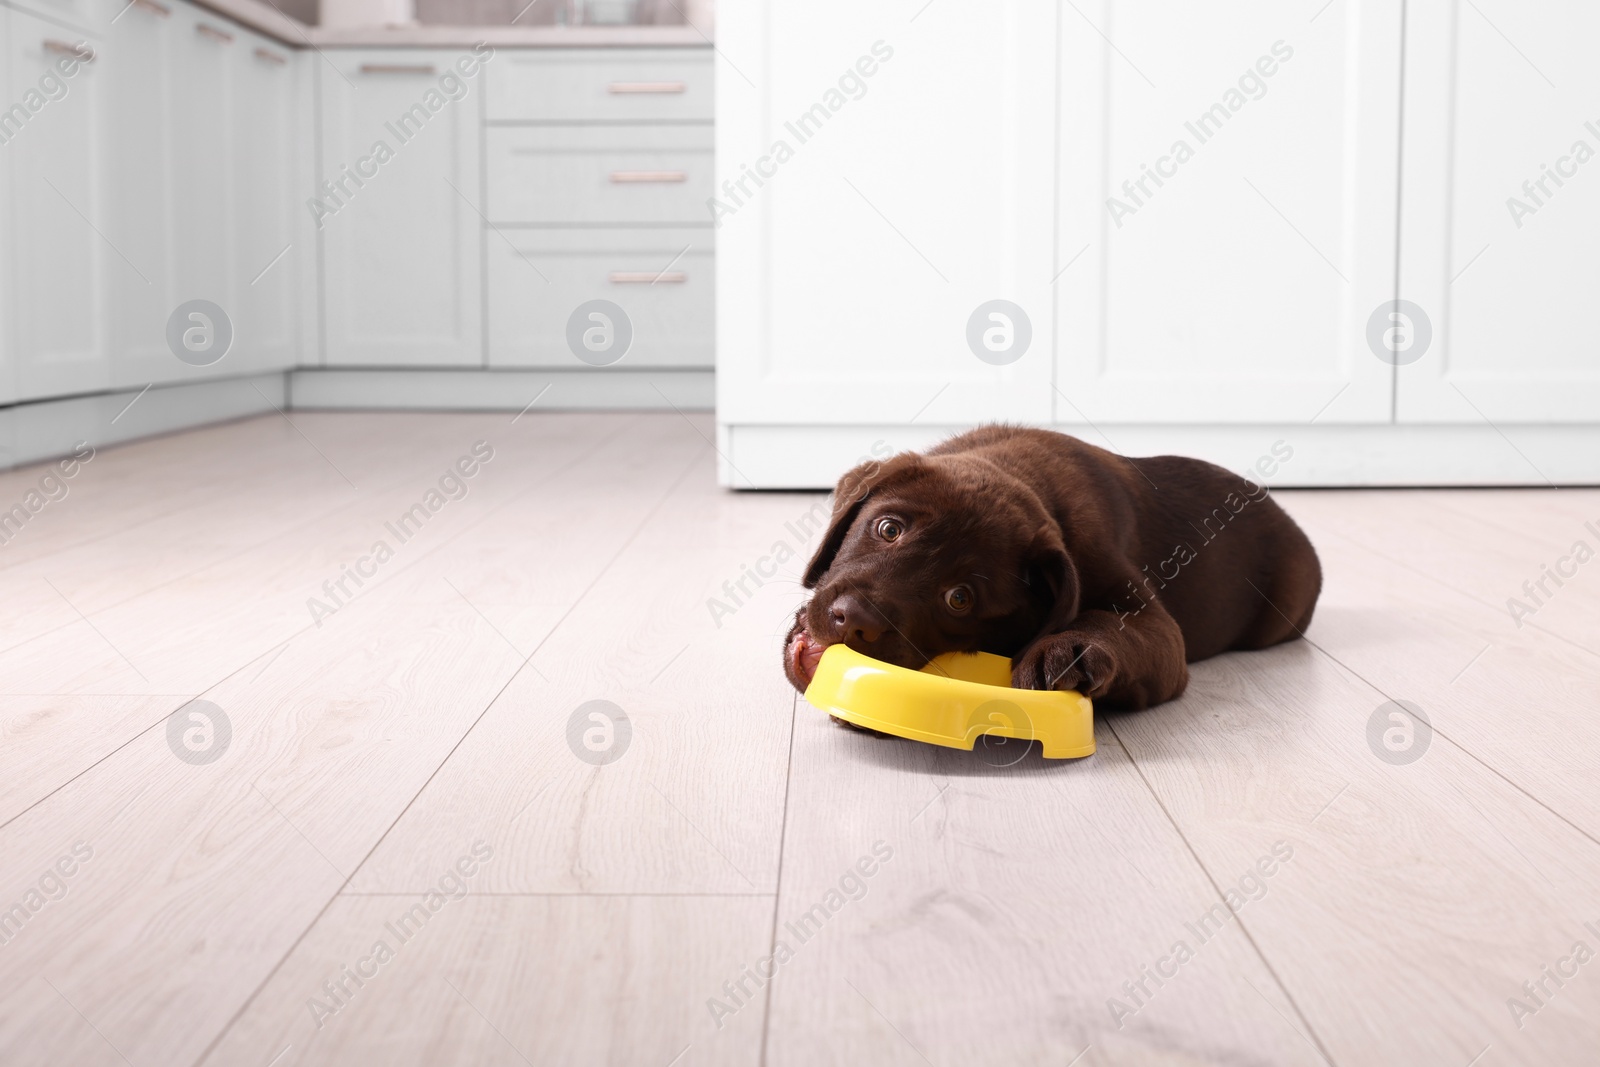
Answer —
1091 571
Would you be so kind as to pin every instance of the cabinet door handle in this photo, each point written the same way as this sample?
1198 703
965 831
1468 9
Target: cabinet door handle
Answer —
270 57
80 51
648 176
646 87
220 36
647 277
397 68
153 8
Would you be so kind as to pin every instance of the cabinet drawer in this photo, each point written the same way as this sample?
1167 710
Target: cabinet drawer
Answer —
631 85
663 279
619 175
91 17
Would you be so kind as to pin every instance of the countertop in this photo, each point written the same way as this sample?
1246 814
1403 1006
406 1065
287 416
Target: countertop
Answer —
262 17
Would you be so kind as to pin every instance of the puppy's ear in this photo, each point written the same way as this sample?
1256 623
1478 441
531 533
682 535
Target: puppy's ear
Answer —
1050 567
848 498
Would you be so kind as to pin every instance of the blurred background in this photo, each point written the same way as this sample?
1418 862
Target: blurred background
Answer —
1362 228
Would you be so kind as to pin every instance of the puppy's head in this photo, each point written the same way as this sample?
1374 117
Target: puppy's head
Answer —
931 554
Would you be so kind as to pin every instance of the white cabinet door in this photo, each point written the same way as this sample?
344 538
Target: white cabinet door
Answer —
8 378
202 142
1241 229
1500 211
58 252
401 233
199 139
269 189
874 190
140 62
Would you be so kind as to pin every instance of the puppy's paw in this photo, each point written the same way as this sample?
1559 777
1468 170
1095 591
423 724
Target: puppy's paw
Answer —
1066 661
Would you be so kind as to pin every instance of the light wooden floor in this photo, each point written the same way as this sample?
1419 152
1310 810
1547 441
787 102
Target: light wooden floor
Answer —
1020 905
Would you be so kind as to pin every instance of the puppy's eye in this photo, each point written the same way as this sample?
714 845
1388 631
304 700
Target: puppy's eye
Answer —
890 529
958 599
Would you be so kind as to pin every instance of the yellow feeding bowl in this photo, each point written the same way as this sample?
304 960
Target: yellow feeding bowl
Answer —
954 700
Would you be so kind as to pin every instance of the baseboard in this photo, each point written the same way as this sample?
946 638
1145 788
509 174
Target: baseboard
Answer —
408 389
813 457
45 429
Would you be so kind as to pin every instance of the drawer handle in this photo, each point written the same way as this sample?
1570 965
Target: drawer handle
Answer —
80 51
150 6
647 277
646 87
397 68
649 176
270 57
220 36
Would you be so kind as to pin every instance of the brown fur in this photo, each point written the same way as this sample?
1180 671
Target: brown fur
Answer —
1092 571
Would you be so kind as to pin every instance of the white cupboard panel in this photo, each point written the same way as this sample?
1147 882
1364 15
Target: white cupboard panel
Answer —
58 250
907 192
1246 224
664 281
203 140
268 192
8 377
1501 207
140 59
402 239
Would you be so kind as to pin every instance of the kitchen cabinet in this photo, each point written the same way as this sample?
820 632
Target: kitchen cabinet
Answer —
83 18
1502 202
599 171
271 171
663 279
1235 289
8 378
1207 217
202 142
182 162
1240 227
876 201
402 233
59 263
158 176
632 85
600 175
139 64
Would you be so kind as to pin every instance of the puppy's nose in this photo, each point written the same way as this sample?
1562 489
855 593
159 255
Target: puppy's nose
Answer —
852 618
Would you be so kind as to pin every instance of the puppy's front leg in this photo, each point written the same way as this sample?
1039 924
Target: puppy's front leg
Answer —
1130 661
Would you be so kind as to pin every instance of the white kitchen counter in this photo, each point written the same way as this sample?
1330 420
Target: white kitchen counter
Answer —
509 36
264 18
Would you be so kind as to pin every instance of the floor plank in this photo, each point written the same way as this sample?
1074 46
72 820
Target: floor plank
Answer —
1433 889
235 606
1018 901
1505 694
694 803
628 900
588 979
205 876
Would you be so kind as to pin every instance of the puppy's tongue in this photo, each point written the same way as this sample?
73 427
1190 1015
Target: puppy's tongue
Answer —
804 655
